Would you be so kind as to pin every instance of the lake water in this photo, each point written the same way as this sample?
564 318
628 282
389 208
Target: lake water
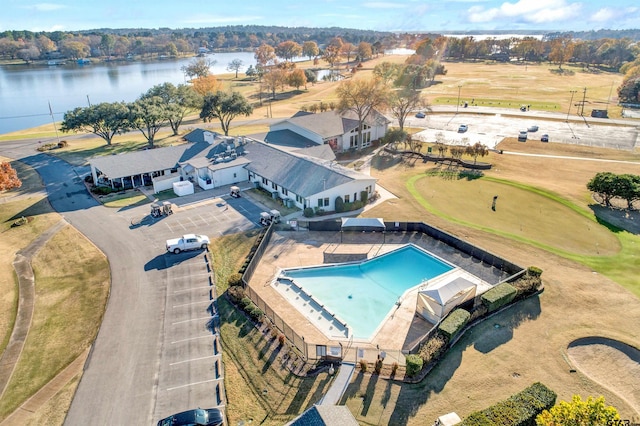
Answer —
26 91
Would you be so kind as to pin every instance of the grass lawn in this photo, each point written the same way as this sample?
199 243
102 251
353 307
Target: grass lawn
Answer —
71 294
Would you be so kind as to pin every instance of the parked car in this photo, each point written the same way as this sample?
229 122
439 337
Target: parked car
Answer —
420 115
463 128
544 138
522 137
197 417
533 128
187 242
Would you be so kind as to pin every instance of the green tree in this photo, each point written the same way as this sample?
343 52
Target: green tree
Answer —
235 65
148 115
365 51
603 184
387 71
104 120
107 42
361 96
181 99
592 412
225 107
199 67
628 188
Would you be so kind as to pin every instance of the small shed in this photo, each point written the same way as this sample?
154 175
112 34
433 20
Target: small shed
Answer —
183 188
435 302
364 224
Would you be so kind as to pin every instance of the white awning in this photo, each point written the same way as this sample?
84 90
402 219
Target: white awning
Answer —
363 222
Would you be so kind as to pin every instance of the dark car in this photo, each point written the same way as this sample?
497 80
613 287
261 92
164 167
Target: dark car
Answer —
544 138
197 417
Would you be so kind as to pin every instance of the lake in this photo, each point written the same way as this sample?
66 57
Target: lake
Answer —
26 91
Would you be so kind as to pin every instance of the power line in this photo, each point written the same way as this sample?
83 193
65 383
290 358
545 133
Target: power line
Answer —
27 116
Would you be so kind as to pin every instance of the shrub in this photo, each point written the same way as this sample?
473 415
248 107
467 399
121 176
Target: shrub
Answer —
378 366
453 323
235 279
527 284
339 205
394 368
281 339
101 190
357 205
256 313
236 294
534 271
63 144
478 312
520 409
432 348
245 302
498 296
364 196
414 364
363 365
308 212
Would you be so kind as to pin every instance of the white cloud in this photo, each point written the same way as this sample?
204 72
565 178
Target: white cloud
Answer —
45 7
534 11
216 19
383 5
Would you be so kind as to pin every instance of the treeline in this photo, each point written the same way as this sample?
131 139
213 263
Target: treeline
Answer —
610 186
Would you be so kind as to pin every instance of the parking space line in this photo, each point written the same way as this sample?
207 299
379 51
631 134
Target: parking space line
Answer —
191 338
192 303
193 359
193 384
192 319
190 289
206 274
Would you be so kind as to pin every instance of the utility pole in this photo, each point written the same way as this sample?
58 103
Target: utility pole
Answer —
584 97
458 104
570 102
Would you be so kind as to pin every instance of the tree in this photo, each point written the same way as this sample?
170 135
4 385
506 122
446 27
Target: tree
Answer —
148 115
592 412
387 71
561 50
288 50
310 49
8 177
235 65
180 99
199 67
104 120
273 79
297 78
225 107
603 184
107 42
627 187
311 76
332 53
265 55
251 72
629 90
476 150
394 136
403 102
206 85
365 51
361 96
347 50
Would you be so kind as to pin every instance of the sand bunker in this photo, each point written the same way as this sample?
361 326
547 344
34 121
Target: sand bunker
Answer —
612 364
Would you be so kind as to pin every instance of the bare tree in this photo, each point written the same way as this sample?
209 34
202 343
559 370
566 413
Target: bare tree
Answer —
235 65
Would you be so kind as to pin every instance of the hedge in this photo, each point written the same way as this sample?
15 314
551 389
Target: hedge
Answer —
413 364
453 323
498 296
520 409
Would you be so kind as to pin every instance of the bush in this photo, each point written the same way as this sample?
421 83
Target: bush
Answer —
432 348
498 296
63 144
378 366
308 212
534 271
414 364
245 302
394 368
364 196
256 313
520 409
235 280
339 205
527 284
454 323
236 294
281 339
101 190
363 365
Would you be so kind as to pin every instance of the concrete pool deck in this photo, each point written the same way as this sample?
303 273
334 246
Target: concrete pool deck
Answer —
288 249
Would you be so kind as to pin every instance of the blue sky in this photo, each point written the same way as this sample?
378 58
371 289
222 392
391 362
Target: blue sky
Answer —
398 15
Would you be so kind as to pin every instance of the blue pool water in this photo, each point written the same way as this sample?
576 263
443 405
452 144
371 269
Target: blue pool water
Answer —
362 294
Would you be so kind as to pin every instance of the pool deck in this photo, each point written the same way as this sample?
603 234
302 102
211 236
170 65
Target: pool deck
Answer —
402 327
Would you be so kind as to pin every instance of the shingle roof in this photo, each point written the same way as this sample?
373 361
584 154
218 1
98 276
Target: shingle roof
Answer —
302 175
332 123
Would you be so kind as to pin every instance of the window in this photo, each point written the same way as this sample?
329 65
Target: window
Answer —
274 186
319 202
369 189
265 181
321 350
285 192
234 175
326 202
353 141
355 196
346 198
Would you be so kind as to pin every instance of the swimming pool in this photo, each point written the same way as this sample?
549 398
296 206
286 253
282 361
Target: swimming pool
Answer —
362 294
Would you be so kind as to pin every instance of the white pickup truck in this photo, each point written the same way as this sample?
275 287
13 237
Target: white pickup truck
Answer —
187 242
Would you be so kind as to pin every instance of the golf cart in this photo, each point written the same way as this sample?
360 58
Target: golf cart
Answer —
275 216
166 208
158 210
235 192
265 219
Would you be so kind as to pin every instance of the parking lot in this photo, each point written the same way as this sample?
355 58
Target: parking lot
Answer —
490 129
190 368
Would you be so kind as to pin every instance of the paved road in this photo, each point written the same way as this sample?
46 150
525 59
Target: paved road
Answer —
150 358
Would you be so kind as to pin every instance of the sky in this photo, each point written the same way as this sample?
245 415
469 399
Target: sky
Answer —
393 15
